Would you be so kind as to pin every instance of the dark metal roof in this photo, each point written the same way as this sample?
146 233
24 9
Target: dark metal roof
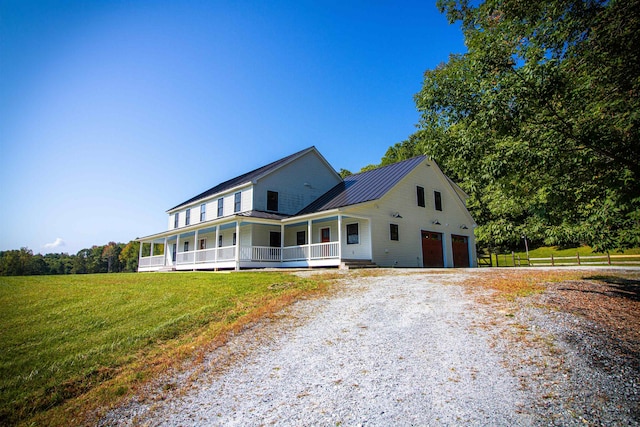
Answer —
363 187
263 215
245 178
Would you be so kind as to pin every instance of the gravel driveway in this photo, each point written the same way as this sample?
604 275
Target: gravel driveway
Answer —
397 349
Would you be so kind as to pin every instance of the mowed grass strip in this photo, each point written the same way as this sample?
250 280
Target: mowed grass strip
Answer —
65 336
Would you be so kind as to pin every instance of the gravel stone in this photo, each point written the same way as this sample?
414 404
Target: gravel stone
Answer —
402 348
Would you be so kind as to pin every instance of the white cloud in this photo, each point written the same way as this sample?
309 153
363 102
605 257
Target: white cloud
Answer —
55 244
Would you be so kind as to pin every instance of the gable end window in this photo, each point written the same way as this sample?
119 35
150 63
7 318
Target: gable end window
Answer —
393 232
203 212
237 202
187 218
272 201
438 200
176 219
220 207
420 196
352 234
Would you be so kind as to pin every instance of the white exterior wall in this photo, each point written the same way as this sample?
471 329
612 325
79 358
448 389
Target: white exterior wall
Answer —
402 199
289 182
360 250
212 207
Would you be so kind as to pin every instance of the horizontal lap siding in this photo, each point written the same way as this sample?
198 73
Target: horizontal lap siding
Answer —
402 199
289 182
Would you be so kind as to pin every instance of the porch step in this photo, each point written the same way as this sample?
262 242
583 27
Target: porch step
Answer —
166 269
352 264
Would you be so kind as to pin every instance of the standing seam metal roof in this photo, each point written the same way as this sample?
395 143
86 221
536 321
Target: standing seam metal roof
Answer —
363 187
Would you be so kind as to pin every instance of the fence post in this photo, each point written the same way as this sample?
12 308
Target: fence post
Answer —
513 258
519 264
497 260
552 263
608 258
578 258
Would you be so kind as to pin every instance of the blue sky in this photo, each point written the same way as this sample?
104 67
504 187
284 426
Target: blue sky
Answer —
111 112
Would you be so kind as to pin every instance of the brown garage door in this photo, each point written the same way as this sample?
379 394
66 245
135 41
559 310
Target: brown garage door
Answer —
460 246
432 249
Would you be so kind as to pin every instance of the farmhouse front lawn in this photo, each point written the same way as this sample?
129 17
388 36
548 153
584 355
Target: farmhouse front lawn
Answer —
77 341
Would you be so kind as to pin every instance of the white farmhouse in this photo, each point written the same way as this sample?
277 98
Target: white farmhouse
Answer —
298 212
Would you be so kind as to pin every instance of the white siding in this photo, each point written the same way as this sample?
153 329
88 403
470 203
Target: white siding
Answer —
297 184
402 199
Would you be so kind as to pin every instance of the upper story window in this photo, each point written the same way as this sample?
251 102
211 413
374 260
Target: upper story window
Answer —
220 207
393 232
420 196
237 201
437 197
352 234
187 217
272 201
176 219
203 212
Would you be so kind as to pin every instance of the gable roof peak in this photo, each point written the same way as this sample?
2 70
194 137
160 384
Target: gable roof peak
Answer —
249 176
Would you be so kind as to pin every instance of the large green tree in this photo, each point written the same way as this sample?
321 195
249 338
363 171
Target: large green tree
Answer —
538 120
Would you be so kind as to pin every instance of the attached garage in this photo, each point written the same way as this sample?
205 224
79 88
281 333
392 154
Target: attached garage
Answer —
432 255
460 247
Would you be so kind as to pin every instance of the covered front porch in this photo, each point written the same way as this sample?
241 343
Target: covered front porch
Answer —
241 242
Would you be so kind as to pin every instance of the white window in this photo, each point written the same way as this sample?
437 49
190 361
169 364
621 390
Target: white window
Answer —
203 212
176 219
352 234
220 207
187 219
237 202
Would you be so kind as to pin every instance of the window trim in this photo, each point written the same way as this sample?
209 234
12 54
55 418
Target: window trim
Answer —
237 202
421 200
437 200
187 216
186 246
304 238
356 234
176 220
220 207
202 245
272 197
394 231
203 212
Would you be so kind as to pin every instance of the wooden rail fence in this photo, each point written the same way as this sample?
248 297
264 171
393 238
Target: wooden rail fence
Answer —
513 260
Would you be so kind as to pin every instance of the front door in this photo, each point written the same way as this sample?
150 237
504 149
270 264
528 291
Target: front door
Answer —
460 247
432 249
325 235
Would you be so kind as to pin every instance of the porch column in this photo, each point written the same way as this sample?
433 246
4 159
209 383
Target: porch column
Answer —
339 236
151 250
195 247
166 251
215 244
309 238
370 240
237 245
281 242
140 256
177 248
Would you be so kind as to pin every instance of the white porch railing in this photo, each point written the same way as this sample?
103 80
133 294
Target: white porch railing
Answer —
152 261
249 253
227 253
325 250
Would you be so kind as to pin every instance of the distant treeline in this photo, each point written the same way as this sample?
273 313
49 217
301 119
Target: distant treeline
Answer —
110 258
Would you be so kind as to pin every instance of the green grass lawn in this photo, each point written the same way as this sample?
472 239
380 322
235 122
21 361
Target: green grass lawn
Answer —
63 336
